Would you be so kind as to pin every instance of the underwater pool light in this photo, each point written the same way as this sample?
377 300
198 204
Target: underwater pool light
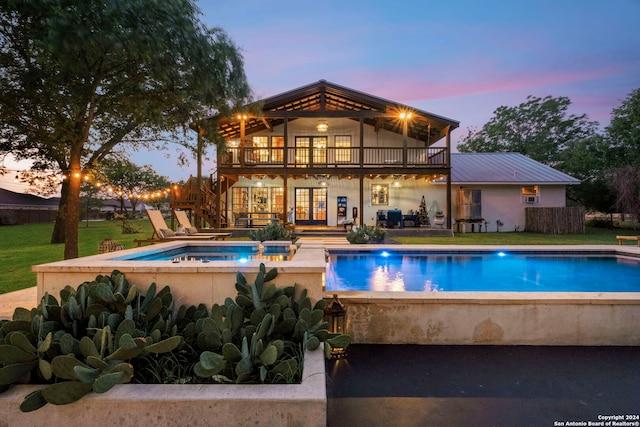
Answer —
385 254
243 260
501 254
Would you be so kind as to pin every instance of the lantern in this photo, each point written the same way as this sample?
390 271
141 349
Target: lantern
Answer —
335 315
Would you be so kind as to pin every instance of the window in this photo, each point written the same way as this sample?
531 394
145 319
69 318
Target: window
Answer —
343 149
260 199
380 194
469 203
261 148
277 199
277 149
239 199
302 152
319 150
530 194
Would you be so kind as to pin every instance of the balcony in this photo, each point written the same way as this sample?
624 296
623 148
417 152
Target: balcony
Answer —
335 157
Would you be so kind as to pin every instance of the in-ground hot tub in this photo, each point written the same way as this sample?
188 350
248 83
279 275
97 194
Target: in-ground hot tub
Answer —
193 280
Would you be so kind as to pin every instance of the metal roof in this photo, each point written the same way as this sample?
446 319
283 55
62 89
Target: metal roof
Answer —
504 168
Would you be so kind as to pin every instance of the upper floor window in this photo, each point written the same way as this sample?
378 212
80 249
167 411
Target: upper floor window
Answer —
343 148
261 149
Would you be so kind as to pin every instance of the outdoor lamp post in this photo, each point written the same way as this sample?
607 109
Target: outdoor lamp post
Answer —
335 314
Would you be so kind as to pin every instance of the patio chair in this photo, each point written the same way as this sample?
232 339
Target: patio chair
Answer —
190 230
162 233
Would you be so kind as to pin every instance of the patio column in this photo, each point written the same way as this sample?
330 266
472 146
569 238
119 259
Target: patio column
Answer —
199 201
448 145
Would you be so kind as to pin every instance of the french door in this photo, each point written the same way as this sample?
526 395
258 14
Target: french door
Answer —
311 150
311 206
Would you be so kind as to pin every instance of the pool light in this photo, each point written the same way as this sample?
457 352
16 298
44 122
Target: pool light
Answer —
501 253
385 254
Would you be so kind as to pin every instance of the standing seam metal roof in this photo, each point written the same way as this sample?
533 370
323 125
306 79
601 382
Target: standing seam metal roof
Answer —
504 168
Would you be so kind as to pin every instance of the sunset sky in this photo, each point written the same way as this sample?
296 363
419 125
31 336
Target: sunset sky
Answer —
459 59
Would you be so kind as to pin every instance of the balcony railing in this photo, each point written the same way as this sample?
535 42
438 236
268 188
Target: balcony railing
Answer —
335 157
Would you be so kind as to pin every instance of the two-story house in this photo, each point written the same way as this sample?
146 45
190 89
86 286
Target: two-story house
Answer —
323 154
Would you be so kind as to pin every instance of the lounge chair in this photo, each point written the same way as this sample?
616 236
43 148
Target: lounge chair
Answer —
162 233
190 230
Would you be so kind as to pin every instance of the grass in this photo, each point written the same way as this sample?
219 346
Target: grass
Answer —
23 246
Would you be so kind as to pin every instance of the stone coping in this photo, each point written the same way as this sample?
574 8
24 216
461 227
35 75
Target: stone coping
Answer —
307 258
495 298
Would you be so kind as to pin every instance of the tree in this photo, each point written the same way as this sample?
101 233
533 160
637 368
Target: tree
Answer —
624 132
626 181
132 72
130 181
539 128
586 159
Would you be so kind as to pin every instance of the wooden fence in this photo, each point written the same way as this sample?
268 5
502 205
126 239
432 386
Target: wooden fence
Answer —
568 220
27 216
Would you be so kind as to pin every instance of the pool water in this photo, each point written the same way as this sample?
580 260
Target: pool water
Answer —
497 272
209 253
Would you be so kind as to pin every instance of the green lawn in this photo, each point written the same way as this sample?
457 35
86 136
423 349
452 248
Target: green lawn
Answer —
22 246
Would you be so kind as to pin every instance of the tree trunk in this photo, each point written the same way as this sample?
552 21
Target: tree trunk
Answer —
58 229
72 217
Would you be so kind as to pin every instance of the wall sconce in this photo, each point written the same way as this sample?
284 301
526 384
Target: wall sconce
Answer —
322 126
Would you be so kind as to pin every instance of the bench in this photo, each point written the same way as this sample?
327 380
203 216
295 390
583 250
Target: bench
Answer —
634 238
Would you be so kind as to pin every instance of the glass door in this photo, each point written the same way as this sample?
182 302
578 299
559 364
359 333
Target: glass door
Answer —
311 149
311 206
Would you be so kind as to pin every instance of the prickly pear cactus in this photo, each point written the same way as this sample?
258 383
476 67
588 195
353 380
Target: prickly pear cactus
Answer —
107 332
85 342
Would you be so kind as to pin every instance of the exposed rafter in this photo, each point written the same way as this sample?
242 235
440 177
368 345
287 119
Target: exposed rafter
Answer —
327 100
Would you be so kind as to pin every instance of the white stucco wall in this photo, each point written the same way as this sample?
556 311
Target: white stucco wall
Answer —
504 203
499 202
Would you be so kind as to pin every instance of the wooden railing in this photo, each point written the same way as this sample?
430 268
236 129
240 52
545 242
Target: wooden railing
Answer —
335 157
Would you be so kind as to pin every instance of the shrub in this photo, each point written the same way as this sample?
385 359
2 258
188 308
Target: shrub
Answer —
272 231
366 234
107 332
599 222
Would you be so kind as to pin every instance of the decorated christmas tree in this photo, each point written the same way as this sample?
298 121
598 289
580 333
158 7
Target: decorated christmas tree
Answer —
423 216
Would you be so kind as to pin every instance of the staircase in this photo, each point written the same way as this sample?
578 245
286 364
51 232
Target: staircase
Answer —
203 201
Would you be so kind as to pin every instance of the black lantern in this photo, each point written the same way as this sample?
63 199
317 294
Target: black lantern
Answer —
335 315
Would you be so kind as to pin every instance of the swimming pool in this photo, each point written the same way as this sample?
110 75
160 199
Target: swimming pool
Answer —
498 271
513 318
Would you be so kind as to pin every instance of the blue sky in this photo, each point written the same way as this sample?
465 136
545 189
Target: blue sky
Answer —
460 59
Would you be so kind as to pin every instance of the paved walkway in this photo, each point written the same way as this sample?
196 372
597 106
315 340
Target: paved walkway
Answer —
27 298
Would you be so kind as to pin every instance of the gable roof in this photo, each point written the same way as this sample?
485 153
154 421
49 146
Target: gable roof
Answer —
504 168
10 198
329 100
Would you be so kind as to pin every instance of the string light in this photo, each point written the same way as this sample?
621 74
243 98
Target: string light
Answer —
35 178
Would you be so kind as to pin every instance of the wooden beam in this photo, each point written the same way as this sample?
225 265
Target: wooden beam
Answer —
267 124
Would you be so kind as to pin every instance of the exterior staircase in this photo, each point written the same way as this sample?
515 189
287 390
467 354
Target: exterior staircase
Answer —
202 200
